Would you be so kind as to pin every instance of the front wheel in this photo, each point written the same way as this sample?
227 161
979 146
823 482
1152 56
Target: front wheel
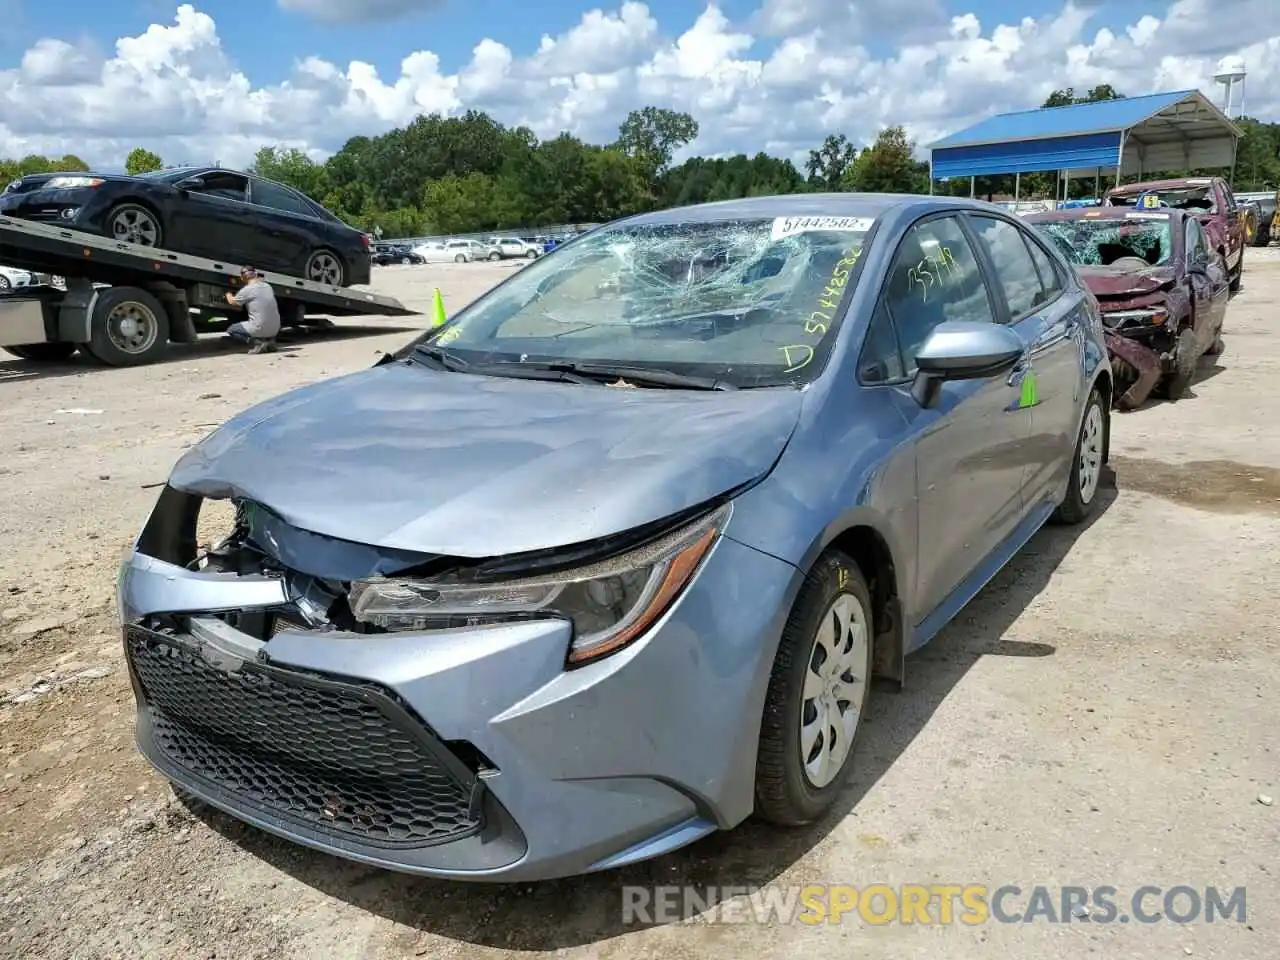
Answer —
1234 284
1185 358
460 258
495 255
323 266
1086 465
532 255
5 285
405 261
132 223
817 695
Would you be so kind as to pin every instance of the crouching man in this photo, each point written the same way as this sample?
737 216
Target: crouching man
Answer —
258 300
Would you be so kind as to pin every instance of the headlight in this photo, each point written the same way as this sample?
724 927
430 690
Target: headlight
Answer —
68 183
610 603
1149 317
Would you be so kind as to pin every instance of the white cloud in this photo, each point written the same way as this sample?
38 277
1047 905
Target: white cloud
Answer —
174 90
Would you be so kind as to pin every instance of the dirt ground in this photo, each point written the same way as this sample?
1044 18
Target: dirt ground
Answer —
1104 713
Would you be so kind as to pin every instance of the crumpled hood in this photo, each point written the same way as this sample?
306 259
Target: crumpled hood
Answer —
407 458
1125 282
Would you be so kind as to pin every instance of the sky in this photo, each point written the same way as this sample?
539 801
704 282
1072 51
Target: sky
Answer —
215 80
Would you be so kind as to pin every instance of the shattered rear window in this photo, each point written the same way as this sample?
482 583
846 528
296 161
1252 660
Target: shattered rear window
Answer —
1103 242
1194 199
753 301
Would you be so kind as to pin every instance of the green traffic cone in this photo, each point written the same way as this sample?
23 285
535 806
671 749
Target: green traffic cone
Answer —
437 309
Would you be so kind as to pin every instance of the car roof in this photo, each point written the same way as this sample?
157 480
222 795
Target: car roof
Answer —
870 205
1177 183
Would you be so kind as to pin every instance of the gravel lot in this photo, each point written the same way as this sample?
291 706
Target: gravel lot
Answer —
1104 713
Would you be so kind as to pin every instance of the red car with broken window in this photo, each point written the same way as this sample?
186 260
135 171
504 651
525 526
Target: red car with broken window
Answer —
1208 199
1161 287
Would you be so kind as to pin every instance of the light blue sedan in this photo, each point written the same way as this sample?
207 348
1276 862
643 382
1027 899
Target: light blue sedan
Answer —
606 563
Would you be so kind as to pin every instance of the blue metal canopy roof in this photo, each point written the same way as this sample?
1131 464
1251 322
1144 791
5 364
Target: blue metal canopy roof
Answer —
1181 128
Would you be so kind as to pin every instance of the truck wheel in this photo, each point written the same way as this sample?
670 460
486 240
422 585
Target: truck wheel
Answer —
1185 359
817 695
129 327
43 352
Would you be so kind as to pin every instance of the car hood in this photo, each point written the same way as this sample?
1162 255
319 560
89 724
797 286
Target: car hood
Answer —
410 459
36 181
1110 282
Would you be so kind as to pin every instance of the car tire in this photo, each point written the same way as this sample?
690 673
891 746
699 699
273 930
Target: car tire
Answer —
1263 237
43 352
1233 284
1218 346
460 258
5 285
532 255
405 261
1185 358
325 266
1086 464
495 256
794 788
134 223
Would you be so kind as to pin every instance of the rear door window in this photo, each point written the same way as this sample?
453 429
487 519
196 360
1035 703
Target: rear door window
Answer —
1015 269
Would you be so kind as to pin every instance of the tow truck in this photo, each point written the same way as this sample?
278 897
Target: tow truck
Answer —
123 303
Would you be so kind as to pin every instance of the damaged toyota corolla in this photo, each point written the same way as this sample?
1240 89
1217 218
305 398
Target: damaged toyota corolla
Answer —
606 562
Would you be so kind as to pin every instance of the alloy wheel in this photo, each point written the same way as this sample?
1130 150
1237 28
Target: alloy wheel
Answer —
323 267
132 224
834 689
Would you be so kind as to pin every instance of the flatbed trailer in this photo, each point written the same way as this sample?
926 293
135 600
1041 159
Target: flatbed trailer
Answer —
123 302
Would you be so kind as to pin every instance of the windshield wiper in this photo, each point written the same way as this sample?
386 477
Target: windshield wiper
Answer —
645 376
441 356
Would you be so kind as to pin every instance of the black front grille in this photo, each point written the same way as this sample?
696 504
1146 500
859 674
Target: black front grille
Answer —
333 755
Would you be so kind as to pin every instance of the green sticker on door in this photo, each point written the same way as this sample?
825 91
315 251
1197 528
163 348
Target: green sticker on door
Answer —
1029 396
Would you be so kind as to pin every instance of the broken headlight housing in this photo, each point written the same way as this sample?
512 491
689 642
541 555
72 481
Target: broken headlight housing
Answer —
610 603
1142 318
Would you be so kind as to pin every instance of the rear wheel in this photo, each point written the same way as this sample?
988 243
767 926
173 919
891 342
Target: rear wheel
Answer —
1234 285
1263 237
460 258
1086 465
43 352
5 285
495 255
532 254
817 695
324 266
129 327
133 223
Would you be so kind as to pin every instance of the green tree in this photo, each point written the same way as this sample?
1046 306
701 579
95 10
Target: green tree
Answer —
142 160
293 168
652 135
828 166
888 165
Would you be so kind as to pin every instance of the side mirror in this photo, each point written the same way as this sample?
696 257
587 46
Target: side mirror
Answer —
963 350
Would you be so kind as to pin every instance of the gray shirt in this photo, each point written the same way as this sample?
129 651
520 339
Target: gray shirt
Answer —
259 302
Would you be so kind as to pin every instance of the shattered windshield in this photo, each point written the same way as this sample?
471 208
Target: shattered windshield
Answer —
1194 199
753 302
1099 242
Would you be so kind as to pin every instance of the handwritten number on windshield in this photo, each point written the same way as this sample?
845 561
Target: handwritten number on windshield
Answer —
797 356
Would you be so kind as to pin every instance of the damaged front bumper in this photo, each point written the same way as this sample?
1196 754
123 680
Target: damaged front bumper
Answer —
469 752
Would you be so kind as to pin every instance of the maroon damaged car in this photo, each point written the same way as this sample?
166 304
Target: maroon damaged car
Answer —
1208 199
1161 288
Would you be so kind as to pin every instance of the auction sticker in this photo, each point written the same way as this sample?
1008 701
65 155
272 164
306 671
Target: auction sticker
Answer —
790 226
